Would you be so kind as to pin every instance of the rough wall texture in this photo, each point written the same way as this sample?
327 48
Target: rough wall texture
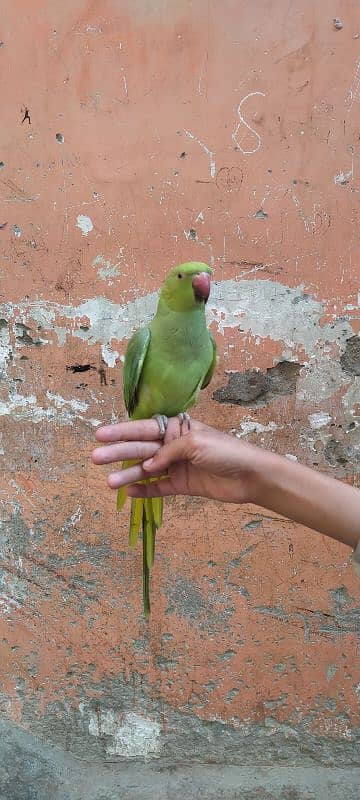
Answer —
135 136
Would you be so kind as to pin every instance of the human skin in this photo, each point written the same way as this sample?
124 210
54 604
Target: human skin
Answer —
207 463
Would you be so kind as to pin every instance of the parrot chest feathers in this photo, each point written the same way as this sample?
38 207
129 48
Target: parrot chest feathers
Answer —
178 356
172 375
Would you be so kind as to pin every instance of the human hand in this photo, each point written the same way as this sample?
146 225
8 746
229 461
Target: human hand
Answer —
203 462
207 463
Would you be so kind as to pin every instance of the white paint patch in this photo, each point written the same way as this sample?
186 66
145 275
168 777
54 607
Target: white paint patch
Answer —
343 178
319 420
8 604
109 356
93 29
85 224
61 335
352 396
95 422
72 520
322 376
60 402
13 592
131 735
331 671
251 426
266 309
25 407
261 308
338 728
5 348
17 401
106 269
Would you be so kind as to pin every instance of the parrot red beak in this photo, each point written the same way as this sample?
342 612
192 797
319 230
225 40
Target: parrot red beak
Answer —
201 286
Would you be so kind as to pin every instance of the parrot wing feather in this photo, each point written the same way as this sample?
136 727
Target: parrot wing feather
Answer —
211 369
134 361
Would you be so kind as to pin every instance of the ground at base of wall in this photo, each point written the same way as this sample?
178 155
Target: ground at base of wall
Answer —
31 770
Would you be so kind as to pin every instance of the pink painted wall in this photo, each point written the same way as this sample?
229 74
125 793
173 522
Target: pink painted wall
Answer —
227 133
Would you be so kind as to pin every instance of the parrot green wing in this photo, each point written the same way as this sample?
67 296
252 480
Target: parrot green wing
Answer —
211 369
144 513
134 361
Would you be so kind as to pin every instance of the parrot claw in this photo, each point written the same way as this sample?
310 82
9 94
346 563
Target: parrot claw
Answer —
162 422
184 417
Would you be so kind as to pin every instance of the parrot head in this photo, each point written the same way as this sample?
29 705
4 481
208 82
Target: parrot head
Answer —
187 286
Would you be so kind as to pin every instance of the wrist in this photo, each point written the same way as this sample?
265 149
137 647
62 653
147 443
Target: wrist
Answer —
263 479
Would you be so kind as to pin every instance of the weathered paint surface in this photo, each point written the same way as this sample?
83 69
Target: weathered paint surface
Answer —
135 136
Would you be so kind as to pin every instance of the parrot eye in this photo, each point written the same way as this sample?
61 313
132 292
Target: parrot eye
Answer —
180 275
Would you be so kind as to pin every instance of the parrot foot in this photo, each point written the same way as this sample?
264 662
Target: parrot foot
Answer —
162 422
184 417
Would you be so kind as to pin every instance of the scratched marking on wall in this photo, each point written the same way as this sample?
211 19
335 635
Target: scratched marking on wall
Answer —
354 91
207 151
242 122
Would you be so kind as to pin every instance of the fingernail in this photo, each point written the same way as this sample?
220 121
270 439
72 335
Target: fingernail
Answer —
148 463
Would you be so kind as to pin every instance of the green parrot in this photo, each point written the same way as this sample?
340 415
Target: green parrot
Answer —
166 365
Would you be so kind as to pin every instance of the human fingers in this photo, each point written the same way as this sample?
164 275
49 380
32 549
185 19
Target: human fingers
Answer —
179 449
130 431
125 476
124 451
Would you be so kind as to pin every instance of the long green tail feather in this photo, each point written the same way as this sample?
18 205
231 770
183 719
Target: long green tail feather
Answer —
122 493
146 514
157 507
151 531
146 573
135 520
121 498
150 526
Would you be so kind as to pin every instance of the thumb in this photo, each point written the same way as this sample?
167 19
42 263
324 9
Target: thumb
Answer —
177 450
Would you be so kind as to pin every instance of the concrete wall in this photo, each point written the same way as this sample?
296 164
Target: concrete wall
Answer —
136 135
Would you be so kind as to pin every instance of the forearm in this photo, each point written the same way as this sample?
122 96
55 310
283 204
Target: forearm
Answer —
308 497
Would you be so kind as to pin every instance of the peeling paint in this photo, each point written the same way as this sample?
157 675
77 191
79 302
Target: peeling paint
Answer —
319 420
5 347
60 402
72 520
331 671
262 308
343 178
85 224
109 355
129 735
13 592
105 269
17 231
251 426
352 395
22 407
